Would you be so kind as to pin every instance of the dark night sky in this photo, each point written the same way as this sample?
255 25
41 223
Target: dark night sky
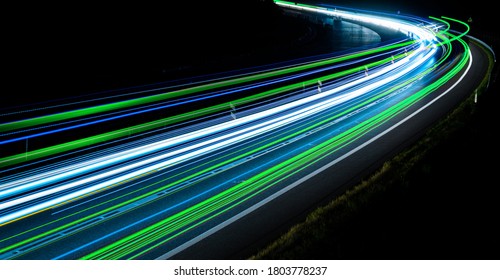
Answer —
79 47
62 49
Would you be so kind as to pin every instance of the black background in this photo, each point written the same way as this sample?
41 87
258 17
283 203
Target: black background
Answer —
54 50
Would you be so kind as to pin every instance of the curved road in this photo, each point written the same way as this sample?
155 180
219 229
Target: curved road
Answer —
240 158
264 224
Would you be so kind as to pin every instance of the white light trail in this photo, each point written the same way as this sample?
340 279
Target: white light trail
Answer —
400 68
234 137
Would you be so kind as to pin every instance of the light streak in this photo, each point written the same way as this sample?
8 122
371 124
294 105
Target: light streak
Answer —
370 101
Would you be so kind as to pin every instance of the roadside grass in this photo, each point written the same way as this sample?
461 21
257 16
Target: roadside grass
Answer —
435 200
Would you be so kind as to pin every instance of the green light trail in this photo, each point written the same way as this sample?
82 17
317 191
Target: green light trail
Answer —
126 132
241 192
141 242
260 147
212 166
179 93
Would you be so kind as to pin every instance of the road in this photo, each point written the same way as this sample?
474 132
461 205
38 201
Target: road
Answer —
236 159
